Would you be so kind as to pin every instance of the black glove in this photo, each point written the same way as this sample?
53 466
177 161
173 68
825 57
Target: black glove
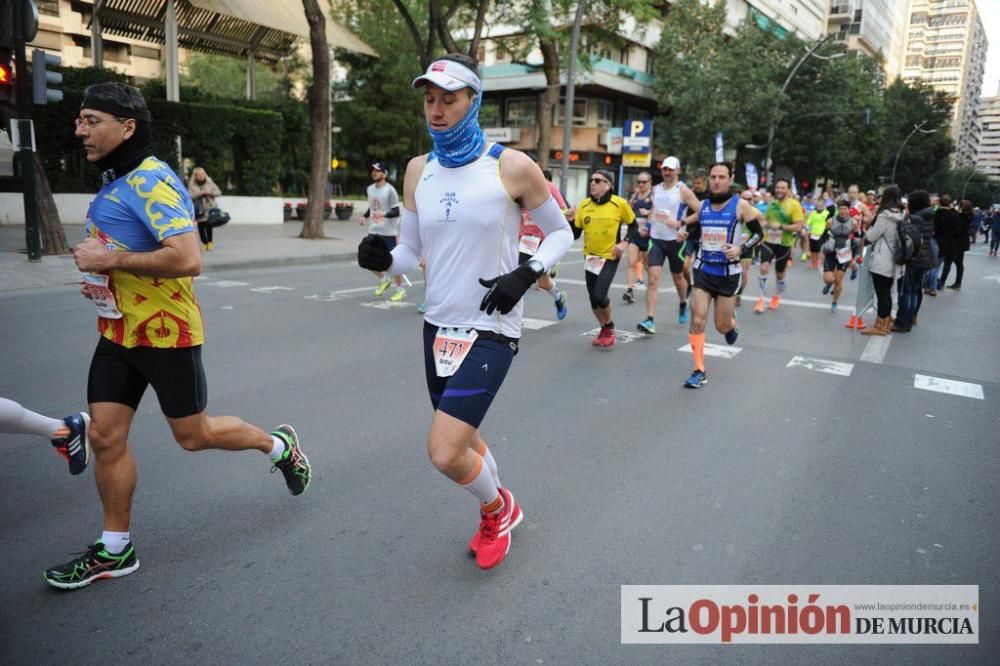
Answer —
373 254
506 290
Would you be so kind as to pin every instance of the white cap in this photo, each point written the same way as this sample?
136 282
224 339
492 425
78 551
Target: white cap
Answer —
671 163
449 75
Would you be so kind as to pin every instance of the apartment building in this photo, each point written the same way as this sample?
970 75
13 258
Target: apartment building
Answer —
988 154
946 48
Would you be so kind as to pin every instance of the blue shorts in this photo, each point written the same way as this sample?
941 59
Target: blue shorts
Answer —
468 393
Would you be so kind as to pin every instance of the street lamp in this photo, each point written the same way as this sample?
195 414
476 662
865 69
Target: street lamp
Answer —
784 86
916 128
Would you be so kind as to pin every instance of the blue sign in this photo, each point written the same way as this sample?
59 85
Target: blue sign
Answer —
638 136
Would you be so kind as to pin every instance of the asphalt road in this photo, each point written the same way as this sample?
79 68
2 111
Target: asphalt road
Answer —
768 475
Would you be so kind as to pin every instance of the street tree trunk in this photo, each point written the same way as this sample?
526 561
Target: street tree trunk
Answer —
53 236
319 121
547 100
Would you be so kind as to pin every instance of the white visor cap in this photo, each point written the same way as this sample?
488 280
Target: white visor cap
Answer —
449 75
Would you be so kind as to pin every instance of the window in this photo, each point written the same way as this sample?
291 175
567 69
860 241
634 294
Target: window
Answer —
145 52
489 114
579 112
637 114
521 111
605 114
48 7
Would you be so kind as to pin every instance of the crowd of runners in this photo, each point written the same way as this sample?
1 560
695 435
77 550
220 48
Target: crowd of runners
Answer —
485 224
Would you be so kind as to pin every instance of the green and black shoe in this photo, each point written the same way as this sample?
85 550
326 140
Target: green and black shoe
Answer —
293 464
92 564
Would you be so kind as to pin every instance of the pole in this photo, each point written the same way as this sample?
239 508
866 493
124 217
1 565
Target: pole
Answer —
967 181
899 152
774 114
26 156
574 45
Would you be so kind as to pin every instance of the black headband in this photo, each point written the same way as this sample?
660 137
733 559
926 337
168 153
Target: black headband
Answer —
98 103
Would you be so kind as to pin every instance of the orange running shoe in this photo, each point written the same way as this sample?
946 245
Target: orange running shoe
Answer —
775 302
494 532
759 307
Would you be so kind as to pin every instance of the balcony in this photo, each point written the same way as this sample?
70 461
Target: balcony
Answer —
841 12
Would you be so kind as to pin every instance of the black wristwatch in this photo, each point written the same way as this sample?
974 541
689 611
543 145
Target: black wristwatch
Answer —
537 268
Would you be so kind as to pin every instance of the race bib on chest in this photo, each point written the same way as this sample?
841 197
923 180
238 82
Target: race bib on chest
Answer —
713 239
815 236
529 245
661 216
101 295
594 264
773 235
451 346
844 254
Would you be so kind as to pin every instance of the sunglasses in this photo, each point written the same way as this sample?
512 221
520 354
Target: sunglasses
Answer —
599 180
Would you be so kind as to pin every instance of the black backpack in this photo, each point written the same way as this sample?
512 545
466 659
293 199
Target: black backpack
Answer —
909 243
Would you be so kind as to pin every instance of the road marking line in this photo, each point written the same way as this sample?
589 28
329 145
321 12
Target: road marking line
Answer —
535 324
228 283
805 304
722 351
623 337
341 294
949 386
271 290
821 365
387 305
876 349
992 277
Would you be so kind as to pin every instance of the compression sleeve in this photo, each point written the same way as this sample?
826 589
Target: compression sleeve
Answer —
558 237
406 254
756 234
393 212
367 214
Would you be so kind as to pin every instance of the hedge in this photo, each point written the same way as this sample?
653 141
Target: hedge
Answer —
249 148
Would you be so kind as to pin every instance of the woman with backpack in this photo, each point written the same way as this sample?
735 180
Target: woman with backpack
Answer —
203 191
912 294
884 239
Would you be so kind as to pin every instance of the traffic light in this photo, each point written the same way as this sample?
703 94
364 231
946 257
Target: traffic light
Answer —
43 81
6 76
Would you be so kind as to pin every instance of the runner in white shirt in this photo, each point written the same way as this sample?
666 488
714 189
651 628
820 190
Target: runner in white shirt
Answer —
671 200
461 208
383 221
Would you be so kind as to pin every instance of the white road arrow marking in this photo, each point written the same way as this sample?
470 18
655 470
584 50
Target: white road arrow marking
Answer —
821 365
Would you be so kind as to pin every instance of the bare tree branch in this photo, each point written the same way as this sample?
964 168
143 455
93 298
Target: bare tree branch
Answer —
414 31
480 19
440 24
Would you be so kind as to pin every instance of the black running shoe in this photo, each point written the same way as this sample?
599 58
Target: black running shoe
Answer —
628 297
92 564
75 447
293 464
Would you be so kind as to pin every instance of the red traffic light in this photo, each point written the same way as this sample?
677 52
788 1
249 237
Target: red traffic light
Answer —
6 75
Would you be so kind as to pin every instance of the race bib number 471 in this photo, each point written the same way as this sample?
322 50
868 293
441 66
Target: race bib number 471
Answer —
451 346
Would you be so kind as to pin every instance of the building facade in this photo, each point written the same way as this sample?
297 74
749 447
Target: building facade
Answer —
64 30
988 155
865 27
946 48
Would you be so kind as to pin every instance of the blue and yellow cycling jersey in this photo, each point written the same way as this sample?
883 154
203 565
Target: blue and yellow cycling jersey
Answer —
135 213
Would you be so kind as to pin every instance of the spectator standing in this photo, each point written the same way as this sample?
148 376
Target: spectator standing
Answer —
203 192
911 294
883 238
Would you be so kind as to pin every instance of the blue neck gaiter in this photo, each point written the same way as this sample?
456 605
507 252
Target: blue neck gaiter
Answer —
463 143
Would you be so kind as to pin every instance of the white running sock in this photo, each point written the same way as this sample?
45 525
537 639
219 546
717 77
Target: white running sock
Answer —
554 291
278 450
480 483
491 463
16 419
762 283
114 542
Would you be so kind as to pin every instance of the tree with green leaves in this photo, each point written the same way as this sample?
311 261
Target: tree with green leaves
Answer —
924 160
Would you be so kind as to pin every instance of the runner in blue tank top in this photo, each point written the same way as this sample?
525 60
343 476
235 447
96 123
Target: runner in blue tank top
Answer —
717 265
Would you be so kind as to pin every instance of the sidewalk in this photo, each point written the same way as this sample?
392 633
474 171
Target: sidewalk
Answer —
236 246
